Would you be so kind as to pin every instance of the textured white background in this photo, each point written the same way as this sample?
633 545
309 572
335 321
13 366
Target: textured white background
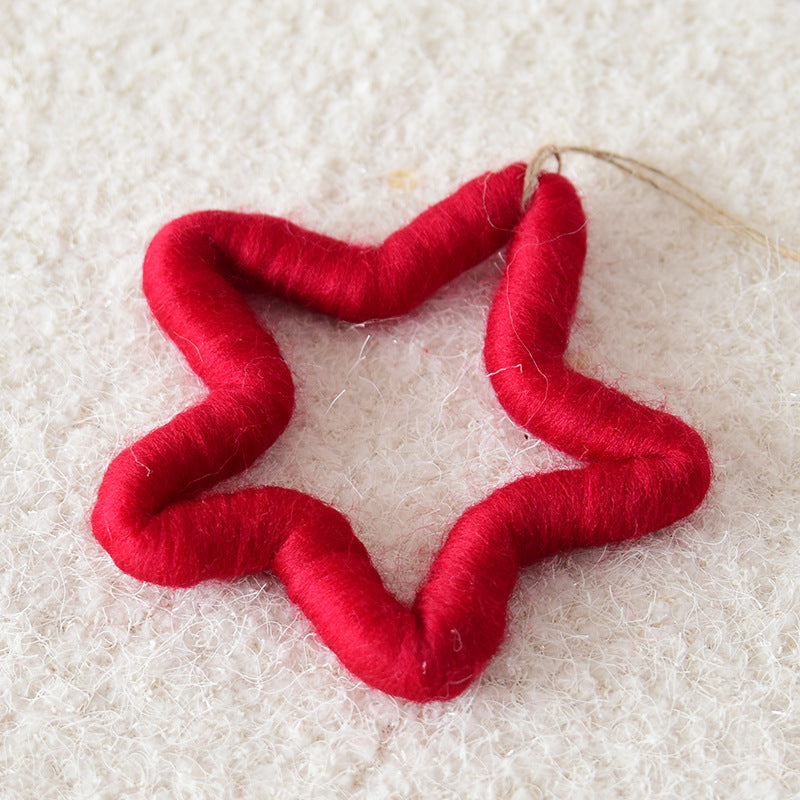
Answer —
665 668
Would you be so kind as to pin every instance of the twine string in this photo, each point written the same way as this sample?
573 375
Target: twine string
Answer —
658 179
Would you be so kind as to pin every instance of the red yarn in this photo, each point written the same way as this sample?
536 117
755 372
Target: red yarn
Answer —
644 469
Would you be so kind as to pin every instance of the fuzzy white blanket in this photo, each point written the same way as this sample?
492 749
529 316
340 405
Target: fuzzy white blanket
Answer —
669 667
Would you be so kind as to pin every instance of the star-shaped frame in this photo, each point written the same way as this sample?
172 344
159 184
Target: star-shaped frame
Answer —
643 468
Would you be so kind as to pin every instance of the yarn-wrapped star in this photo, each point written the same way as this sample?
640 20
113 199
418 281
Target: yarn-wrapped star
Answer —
642 468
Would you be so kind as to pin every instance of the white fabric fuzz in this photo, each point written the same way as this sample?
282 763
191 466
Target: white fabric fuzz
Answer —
665 668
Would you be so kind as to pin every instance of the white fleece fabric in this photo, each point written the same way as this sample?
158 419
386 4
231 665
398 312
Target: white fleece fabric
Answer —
664 668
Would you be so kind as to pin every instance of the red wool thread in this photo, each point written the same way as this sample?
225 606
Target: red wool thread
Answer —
643 468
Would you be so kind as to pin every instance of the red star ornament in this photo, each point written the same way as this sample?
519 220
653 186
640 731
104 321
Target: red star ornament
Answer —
643 469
